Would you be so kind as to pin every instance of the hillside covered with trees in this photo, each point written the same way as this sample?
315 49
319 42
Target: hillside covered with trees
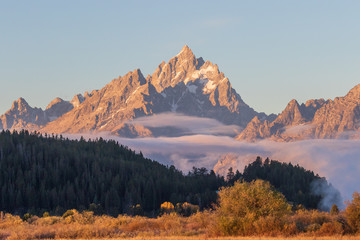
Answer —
51 173
296 183
40 173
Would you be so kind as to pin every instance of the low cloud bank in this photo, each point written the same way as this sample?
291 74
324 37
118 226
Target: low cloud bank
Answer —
190 125
337 160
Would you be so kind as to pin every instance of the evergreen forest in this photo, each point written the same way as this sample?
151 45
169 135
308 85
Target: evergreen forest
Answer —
41 173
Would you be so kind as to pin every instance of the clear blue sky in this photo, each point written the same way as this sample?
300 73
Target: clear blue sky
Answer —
272 51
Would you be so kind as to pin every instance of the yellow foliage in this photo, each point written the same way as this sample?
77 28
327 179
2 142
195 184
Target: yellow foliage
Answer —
167 206
246 208
352 212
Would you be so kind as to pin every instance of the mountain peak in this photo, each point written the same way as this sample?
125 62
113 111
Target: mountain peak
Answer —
20 104
185 49
137 73
293 102
354 92
21 100
131 78
21 115
78 99
138 76
186 53
55 101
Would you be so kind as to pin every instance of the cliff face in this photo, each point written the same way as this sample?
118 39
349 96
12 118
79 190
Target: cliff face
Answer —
338 118
190 86
22 116
186 85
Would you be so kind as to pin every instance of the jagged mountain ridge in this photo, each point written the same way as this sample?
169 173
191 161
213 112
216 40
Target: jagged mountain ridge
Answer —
338 118
191 86
22 116
185 84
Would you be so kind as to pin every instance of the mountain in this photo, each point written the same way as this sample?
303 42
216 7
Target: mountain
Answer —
22 116
186 85
338 118
57 108
231 160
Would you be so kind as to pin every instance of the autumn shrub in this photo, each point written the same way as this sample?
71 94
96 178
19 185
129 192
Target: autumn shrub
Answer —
44 233
186 209
269 226
312 228
330 229
201 220
69 213
136 210
46 221
10 220
352 213
170 222
334 210
85 217
289 229
243 204
166 207
313 222
309 220
139 224
75 231
71 216
26 217
46 214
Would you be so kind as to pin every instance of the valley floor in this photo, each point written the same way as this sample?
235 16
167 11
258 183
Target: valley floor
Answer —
75 225
236 238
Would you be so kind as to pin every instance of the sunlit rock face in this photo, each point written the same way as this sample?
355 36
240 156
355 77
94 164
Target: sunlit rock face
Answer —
22 116
185 85
338 118
57 108
231 160
189 86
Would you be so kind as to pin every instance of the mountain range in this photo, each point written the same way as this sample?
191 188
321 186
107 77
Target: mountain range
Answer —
338 118
192 87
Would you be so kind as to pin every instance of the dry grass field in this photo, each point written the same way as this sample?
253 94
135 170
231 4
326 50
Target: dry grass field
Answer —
238 238
167 227
298 224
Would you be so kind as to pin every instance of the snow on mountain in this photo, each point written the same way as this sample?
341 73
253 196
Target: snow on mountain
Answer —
185 85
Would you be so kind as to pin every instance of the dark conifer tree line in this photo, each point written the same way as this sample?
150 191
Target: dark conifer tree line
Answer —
293 181
41 173
51 173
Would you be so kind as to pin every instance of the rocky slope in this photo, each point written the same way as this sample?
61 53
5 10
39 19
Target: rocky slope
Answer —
338 118
231 160
185 84
193 87
22 116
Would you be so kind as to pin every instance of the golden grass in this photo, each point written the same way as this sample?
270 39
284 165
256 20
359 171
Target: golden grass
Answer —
234 238
168 227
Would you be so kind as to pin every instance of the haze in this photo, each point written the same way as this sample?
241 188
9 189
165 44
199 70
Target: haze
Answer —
335 159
